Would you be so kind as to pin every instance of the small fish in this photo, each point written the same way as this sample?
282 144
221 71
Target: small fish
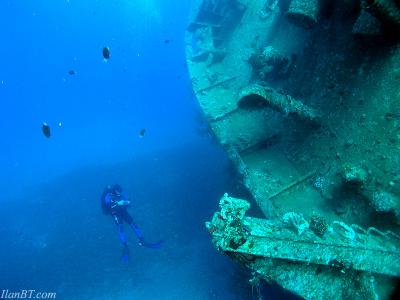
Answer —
106 53
71 72
142 133
46 130
166 41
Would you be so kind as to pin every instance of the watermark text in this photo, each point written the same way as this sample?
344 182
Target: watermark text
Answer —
27 294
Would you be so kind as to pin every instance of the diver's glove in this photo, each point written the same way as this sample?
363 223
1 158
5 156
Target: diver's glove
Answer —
125 253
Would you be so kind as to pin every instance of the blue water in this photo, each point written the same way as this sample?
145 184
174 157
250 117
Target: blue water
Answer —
54 237
104 106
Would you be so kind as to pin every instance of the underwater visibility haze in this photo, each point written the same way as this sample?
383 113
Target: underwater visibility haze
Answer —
74 122
200 149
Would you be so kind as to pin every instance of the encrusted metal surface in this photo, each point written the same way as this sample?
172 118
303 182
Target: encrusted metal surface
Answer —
310 115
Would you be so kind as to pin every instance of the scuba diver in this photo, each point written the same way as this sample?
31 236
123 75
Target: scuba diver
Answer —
115 202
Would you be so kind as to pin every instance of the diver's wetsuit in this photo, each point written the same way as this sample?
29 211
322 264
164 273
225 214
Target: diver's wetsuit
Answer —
115 202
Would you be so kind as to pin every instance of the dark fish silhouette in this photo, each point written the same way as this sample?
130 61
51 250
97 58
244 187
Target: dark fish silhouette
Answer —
71 72
46 130
166 41
142 133
106 53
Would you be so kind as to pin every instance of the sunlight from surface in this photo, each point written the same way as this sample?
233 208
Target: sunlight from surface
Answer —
148 9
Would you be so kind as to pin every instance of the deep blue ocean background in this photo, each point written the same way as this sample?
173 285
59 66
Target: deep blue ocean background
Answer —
54 236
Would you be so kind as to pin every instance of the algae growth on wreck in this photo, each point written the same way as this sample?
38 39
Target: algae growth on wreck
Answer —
304 97
256 141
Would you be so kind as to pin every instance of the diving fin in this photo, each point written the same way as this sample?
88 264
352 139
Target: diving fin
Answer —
150 245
